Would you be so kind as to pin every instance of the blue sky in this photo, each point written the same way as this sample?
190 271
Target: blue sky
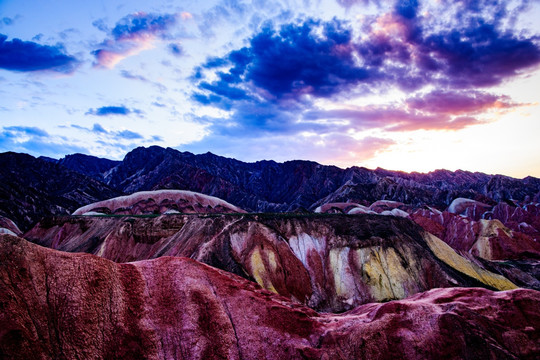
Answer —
406 85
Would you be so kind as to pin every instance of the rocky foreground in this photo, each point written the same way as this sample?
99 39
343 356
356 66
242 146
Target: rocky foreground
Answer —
68 306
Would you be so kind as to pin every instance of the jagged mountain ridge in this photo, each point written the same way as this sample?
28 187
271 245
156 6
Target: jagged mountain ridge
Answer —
263 186
31 188
271 186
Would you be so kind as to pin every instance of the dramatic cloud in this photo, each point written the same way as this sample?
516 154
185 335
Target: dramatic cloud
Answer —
333 61
26 56
320 62
131 35
112 110
468 54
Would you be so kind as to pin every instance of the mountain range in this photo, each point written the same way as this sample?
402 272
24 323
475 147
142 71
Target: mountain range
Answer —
45 186
167 254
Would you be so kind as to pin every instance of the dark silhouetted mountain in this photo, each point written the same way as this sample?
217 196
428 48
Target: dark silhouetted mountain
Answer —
31 188
92 166
261 186
270 186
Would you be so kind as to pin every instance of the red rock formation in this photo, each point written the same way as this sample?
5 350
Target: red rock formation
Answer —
159 202
524 219
69 306
329 262
488 239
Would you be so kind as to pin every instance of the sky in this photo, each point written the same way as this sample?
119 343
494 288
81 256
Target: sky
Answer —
403 85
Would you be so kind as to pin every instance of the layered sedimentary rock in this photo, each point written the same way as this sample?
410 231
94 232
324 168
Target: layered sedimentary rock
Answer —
160 202
329 262
488 239
68 306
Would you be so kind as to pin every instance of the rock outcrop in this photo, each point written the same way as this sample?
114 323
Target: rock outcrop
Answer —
329 262
488 239
92 166
160 202
69 306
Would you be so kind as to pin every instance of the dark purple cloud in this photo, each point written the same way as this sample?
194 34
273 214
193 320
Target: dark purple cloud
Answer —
480 55
313 58
271 87
112 110
323 59
457 103
27 56
407 8
471 53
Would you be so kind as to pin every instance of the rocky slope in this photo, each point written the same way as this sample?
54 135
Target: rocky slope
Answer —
159 202
68 306
329 262
31 188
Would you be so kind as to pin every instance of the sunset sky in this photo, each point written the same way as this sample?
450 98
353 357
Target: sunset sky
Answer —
403 85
